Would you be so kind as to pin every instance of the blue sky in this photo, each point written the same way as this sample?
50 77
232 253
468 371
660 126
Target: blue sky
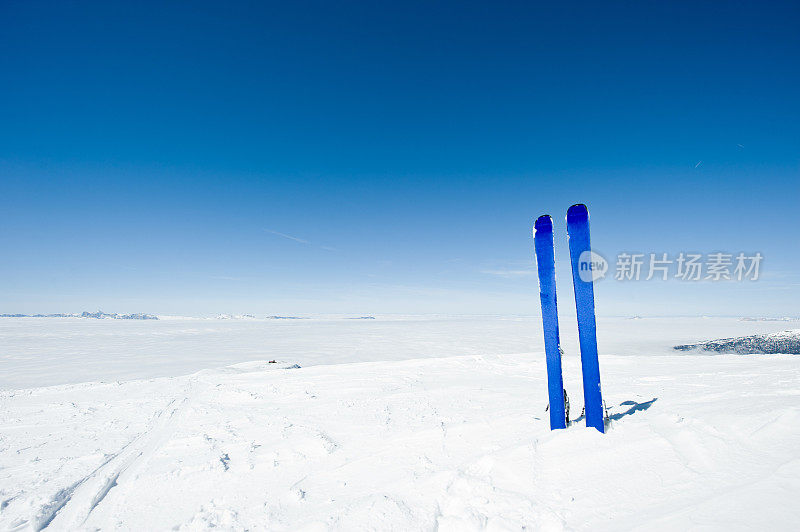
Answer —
307 158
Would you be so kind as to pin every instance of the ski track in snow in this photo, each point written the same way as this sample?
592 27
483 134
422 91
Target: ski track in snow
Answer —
74 507
70 506
456 443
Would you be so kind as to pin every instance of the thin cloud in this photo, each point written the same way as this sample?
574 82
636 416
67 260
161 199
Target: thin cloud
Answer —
297 239
290 237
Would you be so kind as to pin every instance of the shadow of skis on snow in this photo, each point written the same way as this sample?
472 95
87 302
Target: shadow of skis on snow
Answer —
634 407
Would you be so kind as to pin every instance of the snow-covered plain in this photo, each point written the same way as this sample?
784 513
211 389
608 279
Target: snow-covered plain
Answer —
401 423
48 351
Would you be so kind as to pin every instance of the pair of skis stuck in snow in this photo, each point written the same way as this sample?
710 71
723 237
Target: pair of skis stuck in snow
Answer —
580 253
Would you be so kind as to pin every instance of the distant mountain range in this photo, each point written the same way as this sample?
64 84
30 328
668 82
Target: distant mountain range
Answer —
99 315
252 317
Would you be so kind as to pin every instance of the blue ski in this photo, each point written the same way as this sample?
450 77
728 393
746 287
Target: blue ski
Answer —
582 279
545 261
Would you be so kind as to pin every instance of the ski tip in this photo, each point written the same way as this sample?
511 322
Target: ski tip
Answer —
577 213
543 224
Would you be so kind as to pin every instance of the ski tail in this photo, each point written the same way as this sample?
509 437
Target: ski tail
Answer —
580 257
545 262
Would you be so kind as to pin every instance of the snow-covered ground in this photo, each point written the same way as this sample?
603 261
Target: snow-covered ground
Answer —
395 423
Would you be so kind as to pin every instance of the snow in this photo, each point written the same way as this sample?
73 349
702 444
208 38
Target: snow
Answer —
402 423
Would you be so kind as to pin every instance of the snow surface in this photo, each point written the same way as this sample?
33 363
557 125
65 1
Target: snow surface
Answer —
389 431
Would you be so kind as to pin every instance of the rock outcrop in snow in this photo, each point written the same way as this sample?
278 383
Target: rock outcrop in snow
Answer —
787 342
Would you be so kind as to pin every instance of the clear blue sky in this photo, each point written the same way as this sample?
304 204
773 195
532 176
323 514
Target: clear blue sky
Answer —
303 157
